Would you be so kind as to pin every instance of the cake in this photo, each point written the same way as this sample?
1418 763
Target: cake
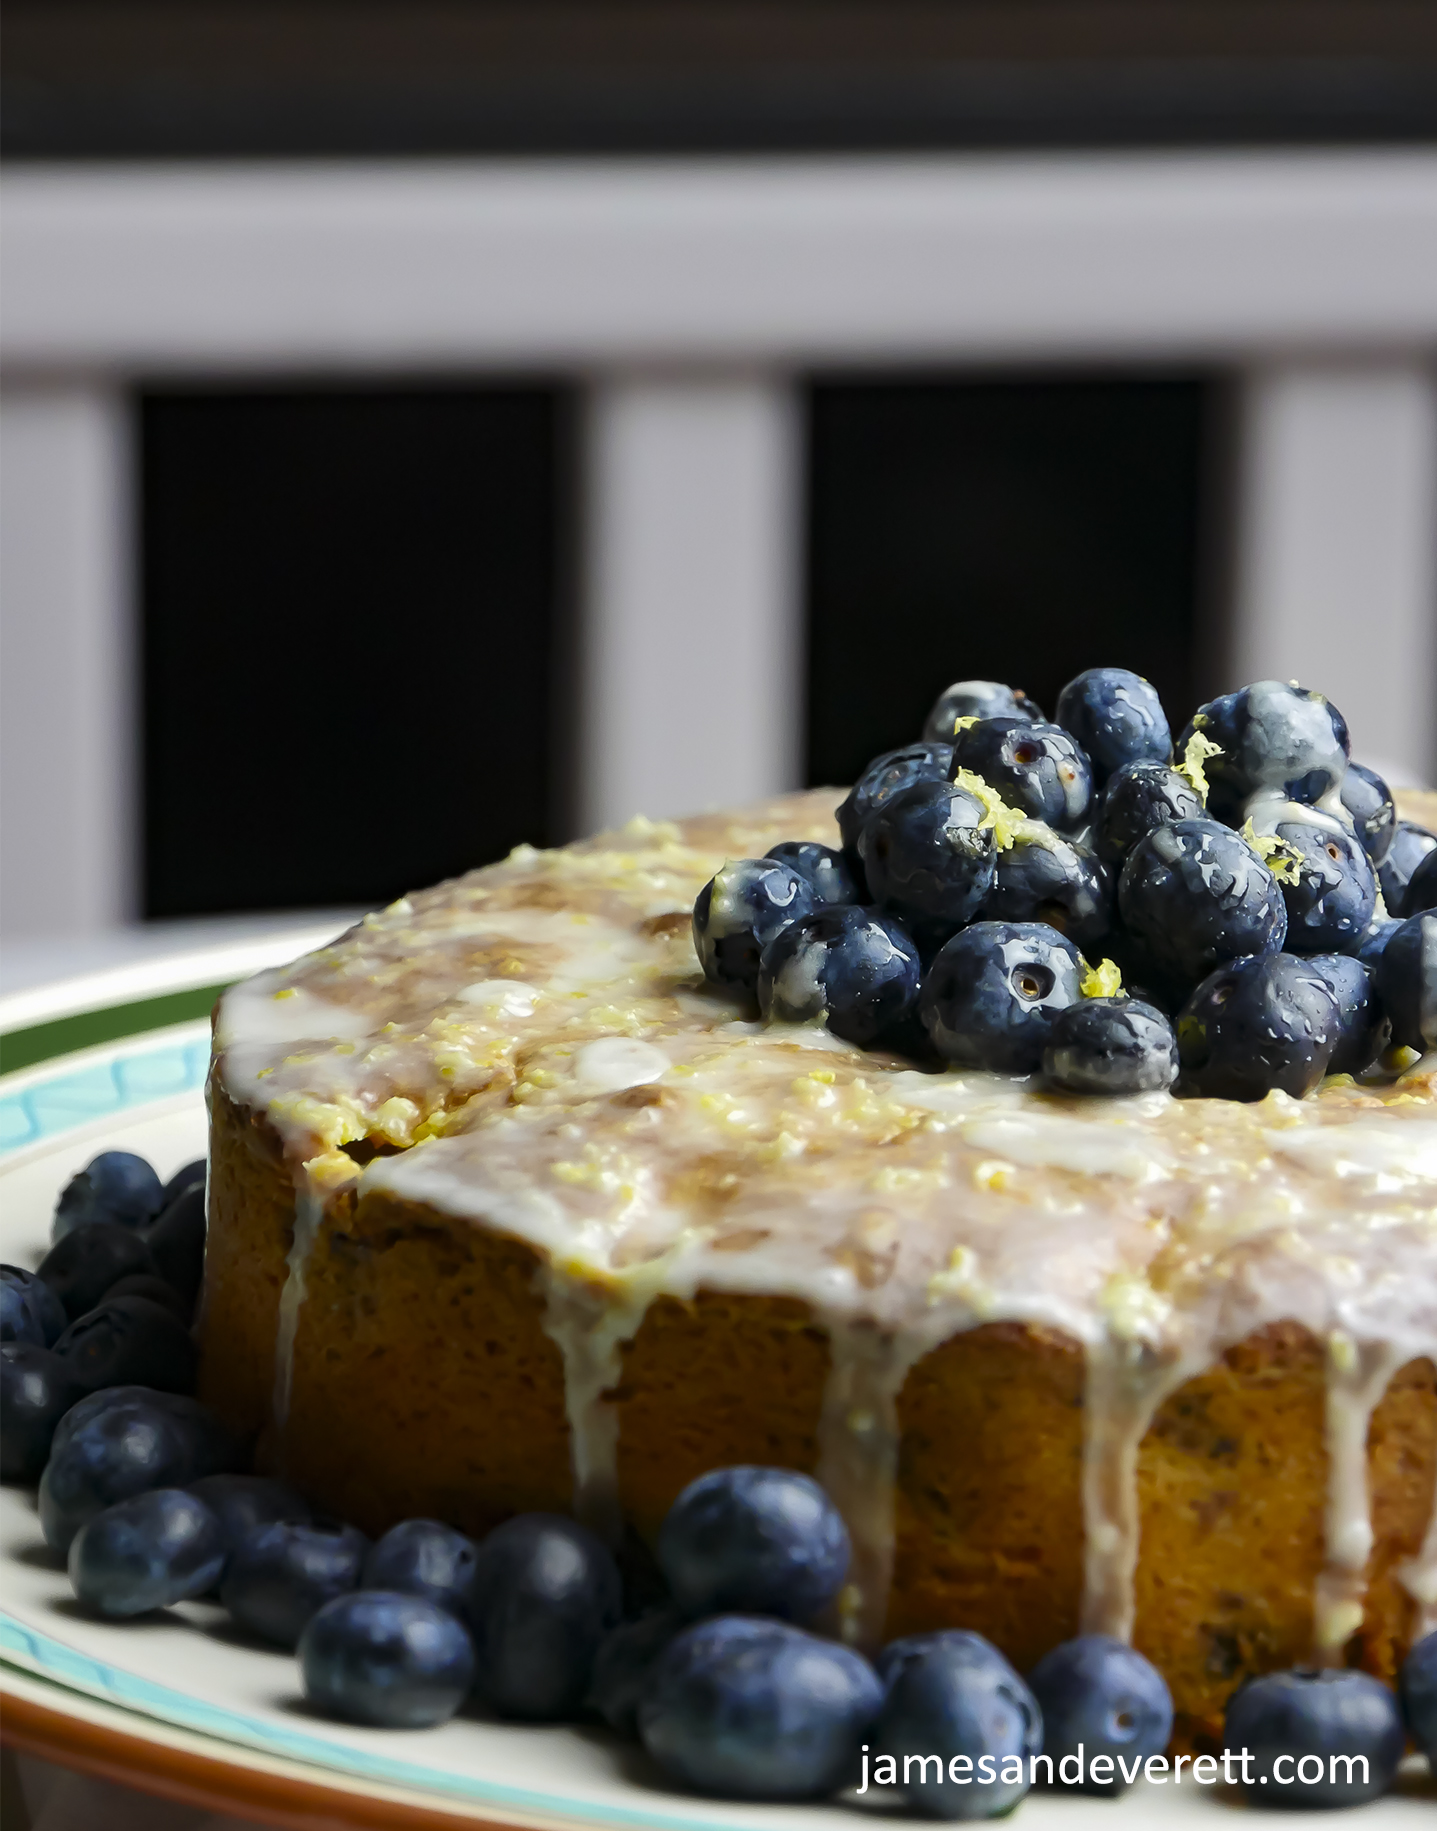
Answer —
510 1210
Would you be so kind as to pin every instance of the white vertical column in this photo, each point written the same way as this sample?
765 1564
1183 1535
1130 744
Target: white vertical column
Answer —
68 814
1337 547
690 692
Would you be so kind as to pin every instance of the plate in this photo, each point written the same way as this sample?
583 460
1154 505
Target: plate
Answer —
179 1706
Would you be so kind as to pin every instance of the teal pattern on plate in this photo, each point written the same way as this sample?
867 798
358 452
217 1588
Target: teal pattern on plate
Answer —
75 1096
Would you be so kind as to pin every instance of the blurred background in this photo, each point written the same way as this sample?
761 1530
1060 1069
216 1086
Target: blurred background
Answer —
429 427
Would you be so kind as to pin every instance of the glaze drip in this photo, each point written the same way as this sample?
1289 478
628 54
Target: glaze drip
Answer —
308 1219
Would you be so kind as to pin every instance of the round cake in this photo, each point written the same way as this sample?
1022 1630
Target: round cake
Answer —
512 1209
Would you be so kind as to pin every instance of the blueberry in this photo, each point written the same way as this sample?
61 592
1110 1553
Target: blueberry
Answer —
387 1658
990 997
1289 1722
755 1709
1268 1021
1277 741
29 1310
1111 1046
545 1594
283 1574
1410 845
111 1455
1374 938
623 1663
854 967
1421 887
243 1504
176 1240
1039 768
1043 877
977 699
951 1696
1136 799
130 1341
147 1552
754 1540
739 911
212 1446
928 857
883 777
115 1186
81 1267
1418 1692
1335 892
1363 1027
1117 717
153 1290
1407 982
1196 894
1099 1692
196 1171
823 869
37 1388
1368 800
421 1557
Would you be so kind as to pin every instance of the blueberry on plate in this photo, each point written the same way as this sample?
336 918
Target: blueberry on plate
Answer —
282 1575
422 1557
824 870
1282 742
855 968
212 1446
1363 1027
883 777
545 1594
1421 887
951 1699
1407 982
1117 717
1135 799
176 1239
1410 845
243 1504
1316 1739
1334 895
623 1663
1111 1046
147 1552
977 699
386 1658
1039 768
990 997
747 1708
739 911
1101 1693
81 1267
110 1455
928 856
1043 877
129 1341
154 1290
1268 1021
115 1186
1196 894
754 1540
29 1310
1368 800
196 1171
37 1388
1417 1690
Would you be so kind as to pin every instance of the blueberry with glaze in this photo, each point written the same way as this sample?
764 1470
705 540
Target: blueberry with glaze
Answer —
1410 845
1407 982
282 1575
130 1341
1117 717
739 911
754 1540
826 872
977 699
147 1552
115 1186
1417 1693
623 1664
883 778
1335 895
1043 877
855 968
1038 768
37 1388
1316 1720
1135 799
81 1267
1421 888
1363 1027
1111 1046
1102 1693
929 858
386 1658
29 1310
991 996
1368 800
1258 1023
1195 894
423 1557
1277 741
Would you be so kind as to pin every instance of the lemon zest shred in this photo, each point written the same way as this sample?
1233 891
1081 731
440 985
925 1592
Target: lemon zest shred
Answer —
1196 752
1102 981
1280 858
997 815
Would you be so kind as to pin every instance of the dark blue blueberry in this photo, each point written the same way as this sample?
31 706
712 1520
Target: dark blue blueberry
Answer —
421 1557
1043 877
282 1575
176 1240
213 1446
990 997
244 1503
144 1553
977 699
824 869
115 1186
111 1455
1417 1690
1374 813
37 1388
1363 1027
1040 769
746 1708
1421 888
129 1341
1135 799
1267 1021
1278 741
1111 1046
952 1700
188 1174
1407 982
1117 717
1315 1739
1196 894
854 967
884 777
929 858
739 911
29 1310
82 1266
1410 845
754 1540
545 1594
153 1290
387 1658
623 1663
1099 1692
1374 938
1335 895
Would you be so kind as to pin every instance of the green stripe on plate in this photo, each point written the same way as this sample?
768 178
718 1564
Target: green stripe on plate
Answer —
83 1030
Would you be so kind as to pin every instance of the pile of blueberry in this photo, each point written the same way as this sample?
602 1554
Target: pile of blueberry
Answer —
1003 878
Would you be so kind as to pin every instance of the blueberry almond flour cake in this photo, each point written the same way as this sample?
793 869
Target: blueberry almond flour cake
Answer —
1038 1144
